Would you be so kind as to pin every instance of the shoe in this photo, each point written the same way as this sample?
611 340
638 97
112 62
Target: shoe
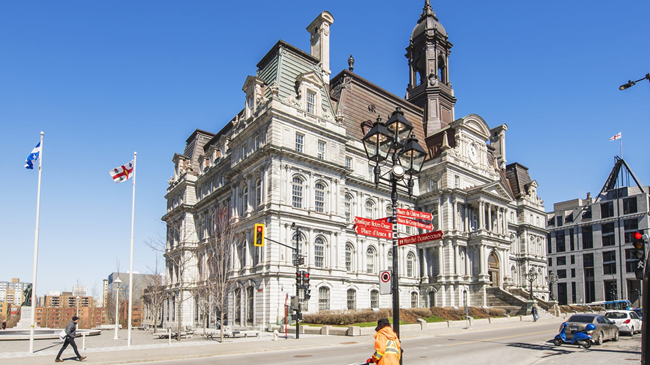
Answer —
58 360
82 358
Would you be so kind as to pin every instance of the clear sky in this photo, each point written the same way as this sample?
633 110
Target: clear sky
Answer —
103 79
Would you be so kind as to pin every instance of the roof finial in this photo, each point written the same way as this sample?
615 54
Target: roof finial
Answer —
351 63
428 10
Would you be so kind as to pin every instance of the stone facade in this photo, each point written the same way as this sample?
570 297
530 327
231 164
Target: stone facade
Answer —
293 155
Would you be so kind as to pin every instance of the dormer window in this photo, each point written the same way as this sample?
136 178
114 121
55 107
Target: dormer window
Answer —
254 89
309 85
311 102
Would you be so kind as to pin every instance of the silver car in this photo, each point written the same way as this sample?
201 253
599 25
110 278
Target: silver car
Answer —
605 329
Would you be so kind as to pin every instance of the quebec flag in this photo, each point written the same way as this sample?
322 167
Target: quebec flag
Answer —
36 152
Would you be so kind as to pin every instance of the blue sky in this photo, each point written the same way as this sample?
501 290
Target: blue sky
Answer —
103 79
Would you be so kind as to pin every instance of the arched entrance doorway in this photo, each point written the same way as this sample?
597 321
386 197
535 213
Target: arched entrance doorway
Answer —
493 269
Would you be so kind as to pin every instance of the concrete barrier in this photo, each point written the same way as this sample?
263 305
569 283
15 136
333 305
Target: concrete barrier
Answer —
422 323
353 331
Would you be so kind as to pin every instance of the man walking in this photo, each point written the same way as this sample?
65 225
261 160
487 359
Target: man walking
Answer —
70 333
388 349
534 312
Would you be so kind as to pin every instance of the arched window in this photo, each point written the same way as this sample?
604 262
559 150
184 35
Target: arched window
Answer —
294 243
296 192
258 192
348 208
414 300
442 72
352 299
319 252
370 206
389 258
349 254
319 196
410 265
371 256
374 299
323 298
244 199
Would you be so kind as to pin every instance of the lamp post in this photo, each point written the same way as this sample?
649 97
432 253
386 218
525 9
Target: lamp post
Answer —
531 276
407 157
117 283
631 83
551 279
78 305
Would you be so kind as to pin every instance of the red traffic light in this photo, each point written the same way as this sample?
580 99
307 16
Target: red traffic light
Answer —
260 229
638 235
306 274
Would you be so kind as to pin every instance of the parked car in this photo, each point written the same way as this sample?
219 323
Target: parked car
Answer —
626 321
605 329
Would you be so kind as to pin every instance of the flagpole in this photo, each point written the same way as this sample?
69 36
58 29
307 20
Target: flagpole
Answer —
38 210
135 154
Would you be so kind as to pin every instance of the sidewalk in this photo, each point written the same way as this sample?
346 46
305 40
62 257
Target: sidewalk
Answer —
103 349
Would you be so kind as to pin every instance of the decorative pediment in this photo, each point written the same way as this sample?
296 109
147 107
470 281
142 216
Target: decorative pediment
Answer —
475 124
494 189
309 77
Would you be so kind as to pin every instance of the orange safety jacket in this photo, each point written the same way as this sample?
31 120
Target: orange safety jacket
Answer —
388 349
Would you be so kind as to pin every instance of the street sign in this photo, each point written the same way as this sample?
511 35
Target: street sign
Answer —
409 222
385 282
374 232
373 223
420 238
414 214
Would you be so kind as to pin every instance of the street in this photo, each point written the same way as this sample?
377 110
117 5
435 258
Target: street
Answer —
515 345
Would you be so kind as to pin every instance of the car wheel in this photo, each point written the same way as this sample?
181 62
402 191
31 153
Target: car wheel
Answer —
616 336
632 332
557 342
599 339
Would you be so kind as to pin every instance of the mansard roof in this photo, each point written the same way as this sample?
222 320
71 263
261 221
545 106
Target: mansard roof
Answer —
518 178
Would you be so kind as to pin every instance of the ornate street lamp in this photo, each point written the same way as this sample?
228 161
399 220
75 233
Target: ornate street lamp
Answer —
531 276
631 83
117 283
407 157
551 279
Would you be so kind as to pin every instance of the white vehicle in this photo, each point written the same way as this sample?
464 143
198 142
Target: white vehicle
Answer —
626 321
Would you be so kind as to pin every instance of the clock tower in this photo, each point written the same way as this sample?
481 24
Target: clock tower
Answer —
429 86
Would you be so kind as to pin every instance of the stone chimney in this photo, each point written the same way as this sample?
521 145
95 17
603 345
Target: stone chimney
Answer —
320 41
498 142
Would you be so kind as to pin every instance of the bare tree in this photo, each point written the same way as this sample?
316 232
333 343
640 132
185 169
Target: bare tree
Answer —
179 250
219 263
155 294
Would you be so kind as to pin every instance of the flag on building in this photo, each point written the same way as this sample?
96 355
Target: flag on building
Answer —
618 136
122 173
36 152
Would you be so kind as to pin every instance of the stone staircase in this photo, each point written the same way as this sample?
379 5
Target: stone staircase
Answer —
499 298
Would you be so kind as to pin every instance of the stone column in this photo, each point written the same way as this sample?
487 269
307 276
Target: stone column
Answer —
489 217
481 212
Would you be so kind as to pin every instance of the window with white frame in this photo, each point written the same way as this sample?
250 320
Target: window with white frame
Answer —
370 206
371 172
410 265
256 142
371 256
258 192
352 299
319 196
243 151
348 208
319 252
433 184
300 142
414 300
348 162
311 102
244 199
321 150
374 299
349 255
323 298
296 192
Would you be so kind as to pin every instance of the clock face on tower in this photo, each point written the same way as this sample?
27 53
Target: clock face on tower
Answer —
473 154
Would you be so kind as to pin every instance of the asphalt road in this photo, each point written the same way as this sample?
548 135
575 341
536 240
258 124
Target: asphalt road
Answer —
517 345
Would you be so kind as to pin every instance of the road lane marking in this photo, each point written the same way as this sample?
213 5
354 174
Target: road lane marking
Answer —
497 338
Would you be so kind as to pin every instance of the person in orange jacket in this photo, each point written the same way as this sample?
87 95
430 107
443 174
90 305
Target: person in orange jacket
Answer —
388 349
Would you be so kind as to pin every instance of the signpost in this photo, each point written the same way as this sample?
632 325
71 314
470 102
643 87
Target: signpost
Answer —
409 222
420 238
413 214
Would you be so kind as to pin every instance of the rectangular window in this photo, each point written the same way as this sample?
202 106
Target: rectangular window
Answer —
352 299
607 210
573 273
559 221
609 262
561 274
323 298
609 239
629 205
321 150
587 215
550 261
256 142
571 240
573 291
573 259
311 102
587 237
549 247
348 162
630 262
243 151
300 142
371 172
631 226
561 260
559 241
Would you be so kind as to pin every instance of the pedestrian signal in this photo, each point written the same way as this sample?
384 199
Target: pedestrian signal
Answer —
259 235
638 242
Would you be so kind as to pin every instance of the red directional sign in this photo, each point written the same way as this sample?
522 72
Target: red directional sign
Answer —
373 223
413 214
374 232
420 238
409 222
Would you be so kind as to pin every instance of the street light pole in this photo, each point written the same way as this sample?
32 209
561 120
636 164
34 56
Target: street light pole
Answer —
552 279
117 282
532 275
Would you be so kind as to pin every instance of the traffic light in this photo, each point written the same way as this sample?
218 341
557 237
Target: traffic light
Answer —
259 235
638 253
298 280
305 284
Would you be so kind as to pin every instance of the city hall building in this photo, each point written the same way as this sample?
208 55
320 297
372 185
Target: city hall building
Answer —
293 157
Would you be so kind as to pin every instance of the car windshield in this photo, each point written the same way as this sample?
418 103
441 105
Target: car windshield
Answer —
581 319
616 315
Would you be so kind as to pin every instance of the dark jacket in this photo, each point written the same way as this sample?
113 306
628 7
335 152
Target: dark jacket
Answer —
71 329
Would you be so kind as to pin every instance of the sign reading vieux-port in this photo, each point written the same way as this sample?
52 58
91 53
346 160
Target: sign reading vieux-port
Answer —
369 227
431 236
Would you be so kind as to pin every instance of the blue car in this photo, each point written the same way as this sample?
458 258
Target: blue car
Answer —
639 312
